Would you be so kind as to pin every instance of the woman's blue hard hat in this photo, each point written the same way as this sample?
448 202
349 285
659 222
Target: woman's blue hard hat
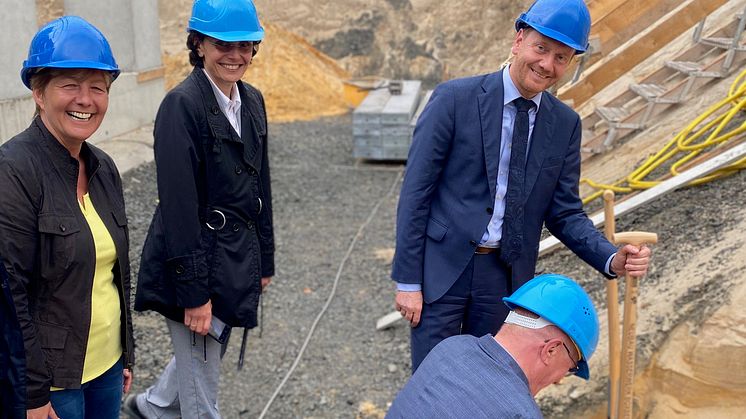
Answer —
68 42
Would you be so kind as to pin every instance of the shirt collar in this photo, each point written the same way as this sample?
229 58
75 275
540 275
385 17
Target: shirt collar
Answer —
510 92
223 100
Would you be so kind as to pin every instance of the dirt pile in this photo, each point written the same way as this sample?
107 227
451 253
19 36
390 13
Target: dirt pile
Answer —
424 39
298 82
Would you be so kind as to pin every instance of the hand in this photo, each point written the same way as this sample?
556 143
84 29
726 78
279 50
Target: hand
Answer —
198 319
127 381
409 304
43 412
265 282
631 260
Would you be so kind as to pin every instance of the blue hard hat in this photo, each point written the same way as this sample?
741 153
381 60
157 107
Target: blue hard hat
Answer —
566 21
226 20
68 42
561 301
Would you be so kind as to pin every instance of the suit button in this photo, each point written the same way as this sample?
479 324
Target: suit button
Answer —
236 227
473 243
489 210
179 269
239 170
215 110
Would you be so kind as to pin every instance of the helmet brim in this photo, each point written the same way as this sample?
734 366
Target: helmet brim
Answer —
237 36
27 72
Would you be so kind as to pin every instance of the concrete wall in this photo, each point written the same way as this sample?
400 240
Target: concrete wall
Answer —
132 28
18 20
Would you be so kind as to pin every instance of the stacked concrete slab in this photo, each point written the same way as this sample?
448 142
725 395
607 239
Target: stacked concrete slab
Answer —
382 125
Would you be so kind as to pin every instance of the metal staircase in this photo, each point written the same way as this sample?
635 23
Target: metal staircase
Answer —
709 58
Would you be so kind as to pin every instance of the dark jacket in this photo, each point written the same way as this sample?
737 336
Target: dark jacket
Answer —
50 255
204 170
12 358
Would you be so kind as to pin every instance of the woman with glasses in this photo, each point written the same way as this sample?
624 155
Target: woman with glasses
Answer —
64 231
209 252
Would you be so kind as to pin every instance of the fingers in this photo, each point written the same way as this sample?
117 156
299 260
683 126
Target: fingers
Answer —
416 318
265 282
409 304
637 260
198 319
52 414
127 381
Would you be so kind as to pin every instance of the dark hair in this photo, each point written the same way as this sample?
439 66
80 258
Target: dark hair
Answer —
193 40
40 79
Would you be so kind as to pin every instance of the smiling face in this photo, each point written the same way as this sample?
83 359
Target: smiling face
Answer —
72 104
538 62
225 62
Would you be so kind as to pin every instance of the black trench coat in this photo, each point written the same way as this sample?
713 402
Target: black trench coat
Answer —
211 235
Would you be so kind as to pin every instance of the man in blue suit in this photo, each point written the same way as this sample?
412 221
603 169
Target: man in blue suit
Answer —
494 158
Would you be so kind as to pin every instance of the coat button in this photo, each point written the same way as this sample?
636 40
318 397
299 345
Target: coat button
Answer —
236 227
63 228
239 170
179 269
489 210
473 243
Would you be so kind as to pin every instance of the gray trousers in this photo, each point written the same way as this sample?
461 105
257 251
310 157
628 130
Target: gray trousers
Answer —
188 386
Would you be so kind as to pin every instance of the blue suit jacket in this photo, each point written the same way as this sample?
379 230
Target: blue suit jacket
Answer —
449 187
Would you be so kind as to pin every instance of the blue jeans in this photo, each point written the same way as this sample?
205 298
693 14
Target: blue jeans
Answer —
98 398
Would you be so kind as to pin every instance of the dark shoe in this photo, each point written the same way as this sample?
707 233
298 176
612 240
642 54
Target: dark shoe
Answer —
129 407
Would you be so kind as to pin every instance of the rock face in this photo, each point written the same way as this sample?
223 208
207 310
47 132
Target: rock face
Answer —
424 39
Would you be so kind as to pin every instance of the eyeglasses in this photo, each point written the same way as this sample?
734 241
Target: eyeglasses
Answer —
575 367
244 47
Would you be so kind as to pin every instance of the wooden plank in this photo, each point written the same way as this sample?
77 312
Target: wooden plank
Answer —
627 20
152 74
551 243
638 49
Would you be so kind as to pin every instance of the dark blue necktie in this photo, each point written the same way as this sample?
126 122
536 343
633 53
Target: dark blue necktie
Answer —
512 237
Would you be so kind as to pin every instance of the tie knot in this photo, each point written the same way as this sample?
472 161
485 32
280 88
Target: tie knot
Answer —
523 105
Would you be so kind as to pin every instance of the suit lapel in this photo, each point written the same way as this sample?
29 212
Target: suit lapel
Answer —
491 116
541 138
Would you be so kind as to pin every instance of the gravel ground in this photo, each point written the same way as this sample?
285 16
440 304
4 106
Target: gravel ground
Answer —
322 196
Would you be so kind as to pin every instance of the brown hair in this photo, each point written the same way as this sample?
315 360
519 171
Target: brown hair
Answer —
41 78
192 42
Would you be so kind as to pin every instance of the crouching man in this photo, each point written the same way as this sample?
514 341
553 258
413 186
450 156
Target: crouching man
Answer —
550 332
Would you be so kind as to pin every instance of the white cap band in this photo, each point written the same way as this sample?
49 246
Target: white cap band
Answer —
527 322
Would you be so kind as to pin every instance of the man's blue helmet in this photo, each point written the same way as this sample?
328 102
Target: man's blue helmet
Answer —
565 21
561 301
68 42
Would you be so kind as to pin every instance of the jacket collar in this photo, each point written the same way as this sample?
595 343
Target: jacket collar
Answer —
60 155
221 128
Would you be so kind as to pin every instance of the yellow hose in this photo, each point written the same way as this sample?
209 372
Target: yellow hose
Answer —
688 144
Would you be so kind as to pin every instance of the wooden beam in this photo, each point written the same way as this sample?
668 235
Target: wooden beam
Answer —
628 19
638 49
551 243
152 74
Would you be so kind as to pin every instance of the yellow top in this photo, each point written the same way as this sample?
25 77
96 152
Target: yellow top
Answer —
104 336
